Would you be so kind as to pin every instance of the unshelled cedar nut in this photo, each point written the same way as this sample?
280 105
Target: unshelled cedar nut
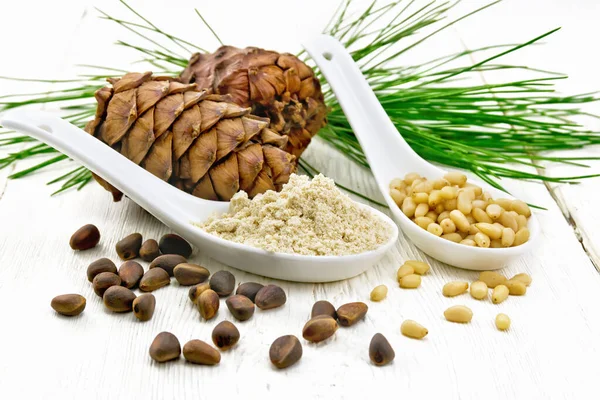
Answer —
130 273
271 296
225 335
222 282
154 279
285 351
208 304
323 307
199 352
351 313
190 274
196 290
129 247
149 250
99 266
85 238
103 281
143 306
168 262
319 328
165 347
68 304
380 351
240 307
249 289
174 244
118 299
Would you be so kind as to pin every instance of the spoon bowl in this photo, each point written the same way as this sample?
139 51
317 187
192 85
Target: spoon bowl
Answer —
390 157
180 210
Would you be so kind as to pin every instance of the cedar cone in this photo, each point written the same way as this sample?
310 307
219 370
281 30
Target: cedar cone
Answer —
202 143
276 86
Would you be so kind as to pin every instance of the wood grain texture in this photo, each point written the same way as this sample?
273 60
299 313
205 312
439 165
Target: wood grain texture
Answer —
550 352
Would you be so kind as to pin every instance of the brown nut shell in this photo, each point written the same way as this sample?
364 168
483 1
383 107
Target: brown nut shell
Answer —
319 328
168 262
351 313
271 296
380 351
222 282
154 279
225 335
208 304
149 250
174 244
130 273
99 266
143 306
241 307
249 289
103 281
85 238
199 352
196 290
190 274
68 304
285 351
165 347
323 307
128 248
118 299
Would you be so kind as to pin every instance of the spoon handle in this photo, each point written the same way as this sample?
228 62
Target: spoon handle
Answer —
385 148
138 184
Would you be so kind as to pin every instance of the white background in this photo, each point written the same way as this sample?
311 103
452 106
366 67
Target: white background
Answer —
550 352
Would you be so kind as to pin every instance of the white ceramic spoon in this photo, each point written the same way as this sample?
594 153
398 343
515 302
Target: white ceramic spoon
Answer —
179 210
389 157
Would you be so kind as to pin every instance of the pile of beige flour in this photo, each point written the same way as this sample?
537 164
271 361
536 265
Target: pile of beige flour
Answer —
310 217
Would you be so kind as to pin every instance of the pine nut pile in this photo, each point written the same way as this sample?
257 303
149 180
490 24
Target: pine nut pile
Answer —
461 212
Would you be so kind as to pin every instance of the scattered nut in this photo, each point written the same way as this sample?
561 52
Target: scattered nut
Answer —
413 329
454 288
479 290
130 273
419 267
351 313
492 278
196 290
165 347
190 274
319 328
249 289
323 307
168 262
405 269
523 277
174 244
85 238
118 299
379 293
154 279
225 335
270 296
241 307
516 287
208 304
99 266
502 322
103 281
143 306
499 294
412 281
149 250
222 282
199 352
129 247
460 314
380 350
68 304
285 351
